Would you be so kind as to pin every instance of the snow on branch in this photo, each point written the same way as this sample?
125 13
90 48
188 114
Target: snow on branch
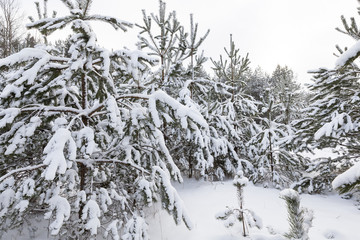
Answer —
114 116
159 138
125 163
96 108
24 131
112 228
115 22
24 75
62 208
135 60
85 141
173 203
24 169
182 111
53 109
349 177
91 212
8 115
289 193
49 25
348 56
135 229
7 198
22 56
54 150
339 122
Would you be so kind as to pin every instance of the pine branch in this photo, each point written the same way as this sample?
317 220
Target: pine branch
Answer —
52 109
87 7
132 165
24 169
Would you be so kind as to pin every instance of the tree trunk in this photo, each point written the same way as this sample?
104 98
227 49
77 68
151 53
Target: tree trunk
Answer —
84 119
271 158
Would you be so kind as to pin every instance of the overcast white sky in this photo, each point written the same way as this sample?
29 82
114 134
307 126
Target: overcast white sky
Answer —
298 33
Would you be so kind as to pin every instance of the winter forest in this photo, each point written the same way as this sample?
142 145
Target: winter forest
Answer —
148 143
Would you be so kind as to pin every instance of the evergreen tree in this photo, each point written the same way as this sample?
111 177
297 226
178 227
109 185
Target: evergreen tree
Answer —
232 72
168 40
287 94
332 120
288 97
245 216
273 162
270 147
232 111
86 139
256 83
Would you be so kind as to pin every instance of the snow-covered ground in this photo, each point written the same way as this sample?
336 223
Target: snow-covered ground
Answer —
334 217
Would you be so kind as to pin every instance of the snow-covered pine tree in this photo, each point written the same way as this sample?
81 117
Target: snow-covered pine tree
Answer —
168 40
231 111
206 94
256 83
193 44
246 217
332 120
232 72
164 37
287 94
86 146
273 160
328 123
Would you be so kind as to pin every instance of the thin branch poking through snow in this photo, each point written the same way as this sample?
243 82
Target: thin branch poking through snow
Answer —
91 161
25 169
51 109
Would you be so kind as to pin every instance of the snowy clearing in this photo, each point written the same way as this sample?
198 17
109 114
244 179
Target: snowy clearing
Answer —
334 217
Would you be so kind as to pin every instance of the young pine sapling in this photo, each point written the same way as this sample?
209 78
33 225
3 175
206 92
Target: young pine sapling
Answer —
300 219
245 216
